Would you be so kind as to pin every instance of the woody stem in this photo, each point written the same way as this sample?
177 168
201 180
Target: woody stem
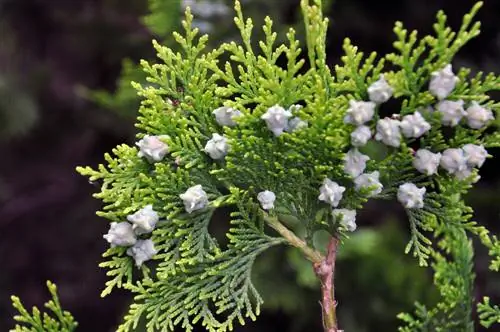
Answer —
324 267
325 270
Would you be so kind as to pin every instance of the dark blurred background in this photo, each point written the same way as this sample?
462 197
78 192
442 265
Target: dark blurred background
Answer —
63 104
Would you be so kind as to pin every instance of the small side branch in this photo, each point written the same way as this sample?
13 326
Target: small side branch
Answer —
311 254
325 271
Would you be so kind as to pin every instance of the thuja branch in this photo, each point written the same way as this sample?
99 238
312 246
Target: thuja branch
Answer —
280 132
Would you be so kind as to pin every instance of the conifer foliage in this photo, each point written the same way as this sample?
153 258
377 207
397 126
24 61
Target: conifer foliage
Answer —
230 133
289 145
56 319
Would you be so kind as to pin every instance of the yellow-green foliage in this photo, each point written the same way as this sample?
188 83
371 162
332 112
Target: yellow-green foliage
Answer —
57 320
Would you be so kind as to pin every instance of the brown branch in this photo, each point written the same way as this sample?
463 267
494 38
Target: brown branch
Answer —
325 271
324 267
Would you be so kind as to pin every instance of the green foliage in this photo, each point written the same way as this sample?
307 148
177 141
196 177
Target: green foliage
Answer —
454 279
488 314
196 277
57 320
494 246
162 19
417 59
199 292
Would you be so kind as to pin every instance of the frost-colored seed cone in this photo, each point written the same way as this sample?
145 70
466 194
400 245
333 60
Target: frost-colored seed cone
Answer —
414 125
152 148
276 119
411 196
426 162
144 220
295 124
369 180
389 132
359 112
225 116
120 234
347 218
360 136
453 160
443 82
475 155
451 112
206 8
266 199
331 192
380 91
478 116
195 198
142 251
355 163
217 147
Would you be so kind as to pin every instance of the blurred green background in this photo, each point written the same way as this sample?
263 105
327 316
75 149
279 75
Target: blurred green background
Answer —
65 99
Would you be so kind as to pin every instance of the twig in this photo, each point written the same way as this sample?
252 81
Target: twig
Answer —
325 271
311 254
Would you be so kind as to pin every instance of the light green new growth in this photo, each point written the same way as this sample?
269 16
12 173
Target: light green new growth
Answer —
198 279
488 314
56 320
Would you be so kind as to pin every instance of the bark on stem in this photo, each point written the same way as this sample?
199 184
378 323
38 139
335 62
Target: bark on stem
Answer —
325 271
324 267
